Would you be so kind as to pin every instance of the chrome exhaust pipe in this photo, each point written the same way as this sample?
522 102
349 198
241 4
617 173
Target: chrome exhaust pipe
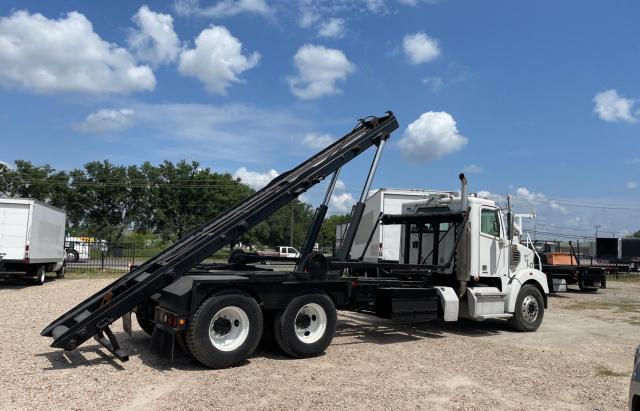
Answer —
464 192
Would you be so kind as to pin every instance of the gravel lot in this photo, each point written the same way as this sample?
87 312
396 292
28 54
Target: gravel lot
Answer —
580 358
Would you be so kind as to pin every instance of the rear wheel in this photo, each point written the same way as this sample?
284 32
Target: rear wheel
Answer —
62 271
224 330
39 275
306 327
72 256
144 313
529 309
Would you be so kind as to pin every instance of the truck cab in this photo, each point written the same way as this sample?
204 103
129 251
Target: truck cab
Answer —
486 266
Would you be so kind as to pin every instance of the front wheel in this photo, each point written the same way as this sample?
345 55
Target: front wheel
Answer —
224 330
306 327
529 310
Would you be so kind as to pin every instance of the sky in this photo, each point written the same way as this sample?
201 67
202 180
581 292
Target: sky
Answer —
540 100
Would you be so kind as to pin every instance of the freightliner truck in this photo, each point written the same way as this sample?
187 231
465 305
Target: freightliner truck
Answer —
219 313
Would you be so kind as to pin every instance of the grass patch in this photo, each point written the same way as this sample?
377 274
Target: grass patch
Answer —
621 307
604 371
625 278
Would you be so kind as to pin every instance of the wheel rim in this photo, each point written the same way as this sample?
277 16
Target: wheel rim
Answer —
311 323
41 277
530 309
229 328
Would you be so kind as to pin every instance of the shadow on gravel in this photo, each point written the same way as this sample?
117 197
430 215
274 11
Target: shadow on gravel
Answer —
61 360
363 328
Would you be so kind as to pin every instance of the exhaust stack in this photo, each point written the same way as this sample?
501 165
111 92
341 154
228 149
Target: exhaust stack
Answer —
464 192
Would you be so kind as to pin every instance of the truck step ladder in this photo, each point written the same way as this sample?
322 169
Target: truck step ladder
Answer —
92 317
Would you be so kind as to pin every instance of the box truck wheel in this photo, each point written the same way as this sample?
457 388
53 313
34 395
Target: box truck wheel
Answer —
62 271
529 309
306 327
224 330
39 274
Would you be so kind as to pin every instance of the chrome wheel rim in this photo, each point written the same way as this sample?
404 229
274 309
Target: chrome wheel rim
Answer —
310 323
530 309
229 328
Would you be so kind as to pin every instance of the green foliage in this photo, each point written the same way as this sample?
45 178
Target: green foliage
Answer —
327 235
636 234
148 205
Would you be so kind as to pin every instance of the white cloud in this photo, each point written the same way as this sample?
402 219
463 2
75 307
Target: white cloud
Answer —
340 185
435 84
417 2
46 55
154 41
612 107
255 179
216 131
217 59
106 121
431 136
308 18
317 141
420 48
334 28
319 69
528 198
632 185
529 195
472 168
7 165
341 202
484 194
222 8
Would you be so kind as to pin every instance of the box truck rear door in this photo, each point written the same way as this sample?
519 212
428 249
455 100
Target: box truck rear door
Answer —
14 219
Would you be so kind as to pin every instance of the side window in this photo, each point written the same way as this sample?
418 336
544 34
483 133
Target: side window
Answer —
489 222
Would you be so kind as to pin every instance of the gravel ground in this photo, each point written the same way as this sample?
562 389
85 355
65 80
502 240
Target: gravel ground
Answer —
580 358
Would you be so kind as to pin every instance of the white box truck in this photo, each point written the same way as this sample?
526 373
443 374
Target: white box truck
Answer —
383 247
31 239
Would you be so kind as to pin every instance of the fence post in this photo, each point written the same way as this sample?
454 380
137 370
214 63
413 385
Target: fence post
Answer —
101 257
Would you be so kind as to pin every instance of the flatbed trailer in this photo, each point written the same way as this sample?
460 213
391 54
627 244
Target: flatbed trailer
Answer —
218 313
559 276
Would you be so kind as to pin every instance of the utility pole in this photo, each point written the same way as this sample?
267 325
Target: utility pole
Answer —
291 228
596 226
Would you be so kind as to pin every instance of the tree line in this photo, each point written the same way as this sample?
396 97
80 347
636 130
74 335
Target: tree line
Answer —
109 201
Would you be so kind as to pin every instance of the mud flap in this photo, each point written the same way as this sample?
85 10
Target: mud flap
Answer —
163 343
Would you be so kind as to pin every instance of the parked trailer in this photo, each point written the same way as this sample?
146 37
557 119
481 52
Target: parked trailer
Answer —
31 239
563 268
218 313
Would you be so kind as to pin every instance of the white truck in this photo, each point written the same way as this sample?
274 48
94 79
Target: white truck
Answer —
494 276
31 239
284 253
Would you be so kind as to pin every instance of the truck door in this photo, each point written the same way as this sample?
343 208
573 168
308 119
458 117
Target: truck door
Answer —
492 253
14 223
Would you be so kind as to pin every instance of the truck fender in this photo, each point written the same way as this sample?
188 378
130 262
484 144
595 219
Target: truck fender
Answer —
520 278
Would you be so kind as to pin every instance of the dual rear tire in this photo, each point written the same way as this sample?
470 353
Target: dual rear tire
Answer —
226 328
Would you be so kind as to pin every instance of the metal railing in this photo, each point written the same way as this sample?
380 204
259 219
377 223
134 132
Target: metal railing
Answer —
102 256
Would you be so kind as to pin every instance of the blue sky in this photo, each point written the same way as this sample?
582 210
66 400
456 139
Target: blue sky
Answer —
536 99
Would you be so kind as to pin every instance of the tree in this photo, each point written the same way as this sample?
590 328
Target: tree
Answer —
42 183
104 199
636 234
327 235
184 195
